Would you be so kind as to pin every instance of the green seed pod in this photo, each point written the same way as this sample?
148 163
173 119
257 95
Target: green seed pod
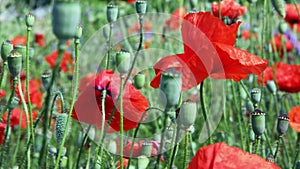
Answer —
60 126
255 95
139 80
283 27
22 50
123 61
78 32
14 61
271 86
187 115
6 48
279 6
29 20
170 85
65 18
143 162
146 149
64 162
14 103
111 12
46 78
258 122
249 106
282 124
141 6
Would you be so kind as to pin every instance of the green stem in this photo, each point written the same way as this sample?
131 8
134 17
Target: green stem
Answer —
58 93
173 141
297 151
204 111
76 42
268 142
109 46
10 98
18 141
257 145
121 122
175 148
186 150
277 148
89 157
3 74
82 145
27 84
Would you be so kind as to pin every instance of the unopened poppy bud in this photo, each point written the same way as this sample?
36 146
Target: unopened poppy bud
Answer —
187 115
258 122
46 79
14 103
64 162
249 106
283 27
139 80
170 85
6 48
146 149
78 32
282 124
279 6
143 162
255 95
252 135
29 20
60 126
243 93
123 61
271 86
141 6
111 12
14 61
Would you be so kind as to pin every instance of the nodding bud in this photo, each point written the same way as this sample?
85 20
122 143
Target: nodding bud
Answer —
141 6
46 79
78 32
282 124
271 86
60 127
29 20
6 48
14 61
170 85
283 27
139 80
111 12
187 115
258 122
146 149
255 95
123 61
14 103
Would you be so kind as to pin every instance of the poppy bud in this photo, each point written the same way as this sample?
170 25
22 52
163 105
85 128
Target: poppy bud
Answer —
169 132
187 115
243 93
139 80
249 106
252 135
6 48
60 127
123 61
258 122
282 124
78 32
111 12
143 162
279 6
21 49
283 27
14 103
255 95
64 162
29 20
170 85
14 61
141 6
146 149
46 78
271 86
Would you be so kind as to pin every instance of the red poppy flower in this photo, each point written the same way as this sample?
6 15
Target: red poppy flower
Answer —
2 93
88 105
287 76
125 163
36 96
220 155
40 39
291 16
209 51
174 22
228 8
280 46
19 40
2 132
66 64
294 116
15 117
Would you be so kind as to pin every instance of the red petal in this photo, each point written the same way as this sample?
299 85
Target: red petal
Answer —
294 115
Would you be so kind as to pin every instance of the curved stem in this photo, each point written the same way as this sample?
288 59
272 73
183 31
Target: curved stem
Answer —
121 123
204 111
76 42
